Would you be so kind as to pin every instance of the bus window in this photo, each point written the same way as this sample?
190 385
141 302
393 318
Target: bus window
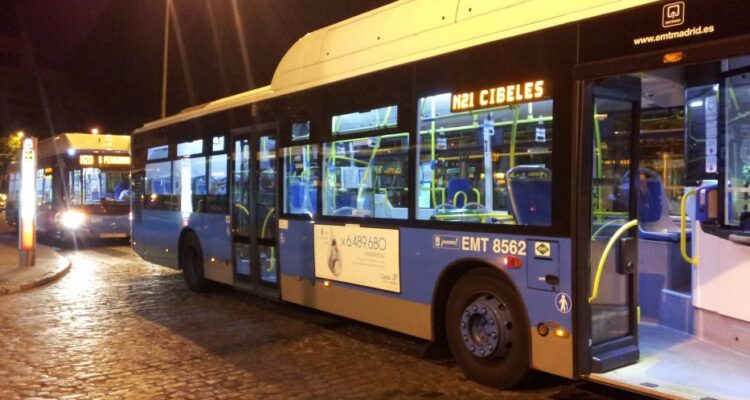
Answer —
301 130
40 186
158 186
216 201
190 174
190 148
367 177
158 152
93 185
737 153
488 166
217 144
377 119
301 174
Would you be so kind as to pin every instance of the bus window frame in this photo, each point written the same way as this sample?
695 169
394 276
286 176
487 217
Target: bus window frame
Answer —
438 75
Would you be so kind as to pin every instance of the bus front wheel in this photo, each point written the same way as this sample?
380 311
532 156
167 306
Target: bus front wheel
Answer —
191 263
488 330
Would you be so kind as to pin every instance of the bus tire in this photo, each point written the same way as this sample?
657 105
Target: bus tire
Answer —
488 330
191 264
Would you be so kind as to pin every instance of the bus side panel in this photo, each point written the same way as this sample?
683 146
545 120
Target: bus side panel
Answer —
157 237
376 307
424 256
215 236
426 253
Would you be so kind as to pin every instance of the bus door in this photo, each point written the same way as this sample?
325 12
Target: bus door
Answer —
254 212
611 118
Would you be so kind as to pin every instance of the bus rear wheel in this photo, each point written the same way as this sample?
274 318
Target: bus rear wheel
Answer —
191 263
488 330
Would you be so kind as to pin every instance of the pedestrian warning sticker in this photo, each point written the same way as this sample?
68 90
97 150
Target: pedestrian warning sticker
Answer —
563 304
542 249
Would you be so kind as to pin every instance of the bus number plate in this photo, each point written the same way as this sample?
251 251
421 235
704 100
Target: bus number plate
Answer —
112 235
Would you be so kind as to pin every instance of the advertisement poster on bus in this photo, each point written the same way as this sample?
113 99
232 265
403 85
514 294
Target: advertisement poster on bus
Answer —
361 256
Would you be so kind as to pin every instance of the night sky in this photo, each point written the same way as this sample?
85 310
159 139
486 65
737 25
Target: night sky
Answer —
112 49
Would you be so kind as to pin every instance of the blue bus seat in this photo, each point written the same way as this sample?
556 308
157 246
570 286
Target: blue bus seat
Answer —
654 222
457 185
157 187
296 195
530 192
346 198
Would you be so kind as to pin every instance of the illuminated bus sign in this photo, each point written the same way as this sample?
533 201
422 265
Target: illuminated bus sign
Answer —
86 159
91 160
114 160
499 95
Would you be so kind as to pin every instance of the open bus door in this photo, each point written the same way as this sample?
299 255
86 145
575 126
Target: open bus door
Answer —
612 119
666 310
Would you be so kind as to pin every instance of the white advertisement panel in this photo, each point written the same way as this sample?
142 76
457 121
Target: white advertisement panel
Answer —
361 256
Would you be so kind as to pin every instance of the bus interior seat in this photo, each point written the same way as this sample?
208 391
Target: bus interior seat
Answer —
384 209
296 195
458 185
297 201
662 271
345 198
530 192
157 187
654 222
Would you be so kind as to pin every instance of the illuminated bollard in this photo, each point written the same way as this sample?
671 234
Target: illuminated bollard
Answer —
27 205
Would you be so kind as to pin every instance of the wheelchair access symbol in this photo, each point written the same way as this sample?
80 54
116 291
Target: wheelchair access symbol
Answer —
563 303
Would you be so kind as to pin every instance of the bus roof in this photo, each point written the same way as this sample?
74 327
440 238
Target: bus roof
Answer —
399 33
82 142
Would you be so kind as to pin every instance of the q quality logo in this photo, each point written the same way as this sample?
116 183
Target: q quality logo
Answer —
673 14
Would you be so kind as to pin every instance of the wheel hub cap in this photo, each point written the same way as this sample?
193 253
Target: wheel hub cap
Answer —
486 327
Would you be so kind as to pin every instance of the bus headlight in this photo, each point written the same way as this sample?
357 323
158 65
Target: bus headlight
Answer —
72 219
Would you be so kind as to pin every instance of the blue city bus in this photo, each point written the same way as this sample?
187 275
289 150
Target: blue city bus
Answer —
82 187
537 185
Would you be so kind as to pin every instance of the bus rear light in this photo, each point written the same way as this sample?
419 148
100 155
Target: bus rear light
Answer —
512 262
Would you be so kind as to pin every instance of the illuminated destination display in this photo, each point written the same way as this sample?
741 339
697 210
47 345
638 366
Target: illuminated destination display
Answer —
90 159
499 95
86 159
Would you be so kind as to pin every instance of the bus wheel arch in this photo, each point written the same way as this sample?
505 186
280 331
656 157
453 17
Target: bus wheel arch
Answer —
190 261
480 314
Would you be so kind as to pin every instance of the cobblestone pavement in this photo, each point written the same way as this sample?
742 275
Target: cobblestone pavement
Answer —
118 328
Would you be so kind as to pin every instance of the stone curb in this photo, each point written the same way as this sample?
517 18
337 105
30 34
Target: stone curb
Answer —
63 267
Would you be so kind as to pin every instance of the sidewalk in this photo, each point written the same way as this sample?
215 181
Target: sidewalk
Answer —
49 265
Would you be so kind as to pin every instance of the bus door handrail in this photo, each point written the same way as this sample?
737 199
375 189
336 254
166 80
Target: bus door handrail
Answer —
600 268
683 228
479 195
460 193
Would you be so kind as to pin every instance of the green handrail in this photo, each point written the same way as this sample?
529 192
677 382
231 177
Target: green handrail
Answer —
605 254
513 132
683 229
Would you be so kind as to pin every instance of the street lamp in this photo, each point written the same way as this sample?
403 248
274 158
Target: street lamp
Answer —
95 131
20 134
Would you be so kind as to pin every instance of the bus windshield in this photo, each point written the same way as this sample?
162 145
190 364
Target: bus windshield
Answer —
94 185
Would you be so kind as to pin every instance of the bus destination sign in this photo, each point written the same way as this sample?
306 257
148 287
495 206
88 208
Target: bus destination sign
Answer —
499 95
91 160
